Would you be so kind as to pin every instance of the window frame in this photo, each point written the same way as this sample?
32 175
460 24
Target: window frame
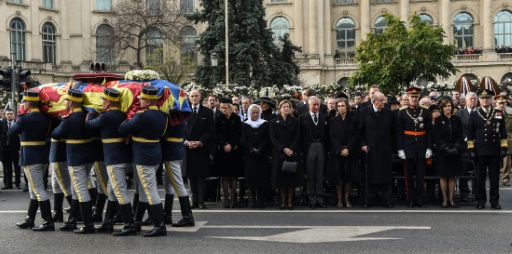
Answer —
104 5
504 33
471 29
348 32
277 26
105 52
49 43
19 43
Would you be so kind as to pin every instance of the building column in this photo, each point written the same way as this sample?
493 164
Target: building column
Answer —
319 37
487 26
365 19
446 22
313 27
298 28
404 12
327 28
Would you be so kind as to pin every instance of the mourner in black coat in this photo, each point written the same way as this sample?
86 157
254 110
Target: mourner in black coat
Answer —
448 147
198 137
343 160
377 138
284 133
255 141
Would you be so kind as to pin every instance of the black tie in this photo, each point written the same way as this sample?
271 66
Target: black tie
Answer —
9 126
195 110
315 119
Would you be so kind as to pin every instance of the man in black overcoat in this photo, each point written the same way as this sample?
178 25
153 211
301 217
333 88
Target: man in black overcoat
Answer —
304 108
376 130
198 138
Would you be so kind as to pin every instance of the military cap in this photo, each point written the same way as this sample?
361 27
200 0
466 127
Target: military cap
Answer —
75 95
501 99
413 91
110 94
148 93
31 95
485 93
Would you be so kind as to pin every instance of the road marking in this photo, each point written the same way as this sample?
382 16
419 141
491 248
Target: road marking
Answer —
199 225
315 234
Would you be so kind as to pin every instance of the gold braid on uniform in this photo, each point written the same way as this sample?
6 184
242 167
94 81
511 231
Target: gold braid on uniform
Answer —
471 144
404 107
487 120
415 119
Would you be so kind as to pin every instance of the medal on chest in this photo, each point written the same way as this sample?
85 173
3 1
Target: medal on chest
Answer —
417 120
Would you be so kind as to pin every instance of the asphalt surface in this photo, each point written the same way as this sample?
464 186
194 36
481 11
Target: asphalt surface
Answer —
270 230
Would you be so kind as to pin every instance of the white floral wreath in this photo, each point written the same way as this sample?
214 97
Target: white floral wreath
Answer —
141 75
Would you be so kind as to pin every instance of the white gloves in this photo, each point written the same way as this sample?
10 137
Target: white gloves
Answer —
428 154
401 154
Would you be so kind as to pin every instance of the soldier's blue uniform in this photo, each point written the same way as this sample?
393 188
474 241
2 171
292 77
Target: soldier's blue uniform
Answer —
79 156
487 141
61 182
146 129
33 130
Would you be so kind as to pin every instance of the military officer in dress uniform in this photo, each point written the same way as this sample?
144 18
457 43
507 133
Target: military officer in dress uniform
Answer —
146 128
414 142
33 130
487 143
79 157
173 153
117 158
501 104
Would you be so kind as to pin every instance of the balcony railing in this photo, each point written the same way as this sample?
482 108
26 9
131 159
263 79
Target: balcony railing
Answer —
505 56
467 58
344 61
27 64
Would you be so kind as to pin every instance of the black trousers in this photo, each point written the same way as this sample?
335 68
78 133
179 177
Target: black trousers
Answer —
382 191
197 188
486 164
11 156
463 182
414 189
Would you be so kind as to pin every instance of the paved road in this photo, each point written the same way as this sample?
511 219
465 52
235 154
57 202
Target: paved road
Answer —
219 230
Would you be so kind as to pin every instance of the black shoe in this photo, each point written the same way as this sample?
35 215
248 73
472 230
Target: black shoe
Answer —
88 229
480 206
128 229
421 205
202 206
46 226
496 206
322 205
27 223
410 205
104 228
157 212
68 227
186 212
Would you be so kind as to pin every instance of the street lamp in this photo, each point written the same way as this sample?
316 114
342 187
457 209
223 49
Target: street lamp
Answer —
214 58
336 57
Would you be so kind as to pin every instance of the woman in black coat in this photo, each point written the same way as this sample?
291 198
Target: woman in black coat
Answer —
228 156
284 134
255 142
342 165
449 145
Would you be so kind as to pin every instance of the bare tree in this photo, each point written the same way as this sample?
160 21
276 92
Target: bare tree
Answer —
173 65
144 25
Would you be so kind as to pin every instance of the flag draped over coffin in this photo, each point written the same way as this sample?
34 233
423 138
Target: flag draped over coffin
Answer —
172 99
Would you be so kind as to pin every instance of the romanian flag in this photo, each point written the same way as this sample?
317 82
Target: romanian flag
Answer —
172 100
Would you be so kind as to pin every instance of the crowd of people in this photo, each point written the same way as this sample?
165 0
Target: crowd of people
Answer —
266 146
469 51
504 49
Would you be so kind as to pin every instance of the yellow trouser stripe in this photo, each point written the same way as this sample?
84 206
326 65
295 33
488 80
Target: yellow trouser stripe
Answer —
100 177
59 178
33 143
145 185
174 185
29 176
177 140
75 183
114 185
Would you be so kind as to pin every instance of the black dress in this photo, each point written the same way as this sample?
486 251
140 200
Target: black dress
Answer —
343 135
285 134
256 165
228 131
448 133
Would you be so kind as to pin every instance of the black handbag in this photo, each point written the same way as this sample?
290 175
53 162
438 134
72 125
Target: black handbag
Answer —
289 166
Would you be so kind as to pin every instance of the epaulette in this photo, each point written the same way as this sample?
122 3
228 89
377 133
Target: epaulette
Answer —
404 107
424 107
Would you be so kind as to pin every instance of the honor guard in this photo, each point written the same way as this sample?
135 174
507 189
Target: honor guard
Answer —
117 158
33 130
101 176
487 144
79 156
173 152
146 128
414 142
61 182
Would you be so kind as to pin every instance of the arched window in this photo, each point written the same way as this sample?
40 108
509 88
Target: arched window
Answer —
380 25
188 42
346 36
344 82
280 26
463 30
154 43
472 77
18 38
426 18
507 78
49 43
503 29
104 44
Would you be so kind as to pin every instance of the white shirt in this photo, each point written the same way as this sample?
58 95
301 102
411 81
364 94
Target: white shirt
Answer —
313 117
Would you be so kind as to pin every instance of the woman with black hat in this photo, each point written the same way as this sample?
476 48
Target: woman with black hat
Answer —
228 157
255 140
284 131
266 105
